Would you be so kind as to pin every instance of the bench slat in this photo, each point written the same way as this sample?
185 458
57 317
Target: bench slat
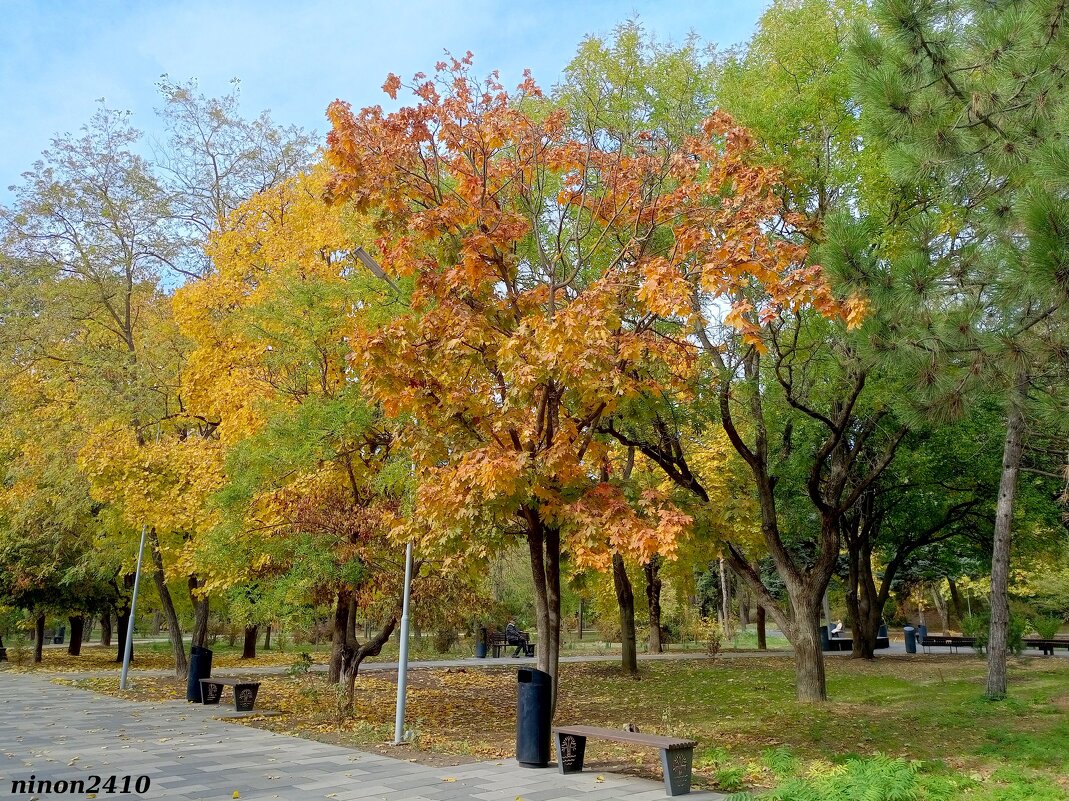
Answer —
620 735
230 682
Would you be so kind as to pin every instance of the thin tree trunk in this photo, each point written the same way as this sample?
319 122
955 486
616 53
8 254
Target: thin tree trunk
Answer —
998 640
157 623
356 653
174 627
725 600
955 600
77 632
941 608
625 599
248 650
580 618
267 638
199 635
744 608
337 647
652 569
38 638
87 632
105 629
762 643
543 544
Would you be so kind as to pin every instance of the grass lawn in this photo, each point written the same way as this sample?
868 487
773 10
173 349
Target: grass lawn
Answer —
896 728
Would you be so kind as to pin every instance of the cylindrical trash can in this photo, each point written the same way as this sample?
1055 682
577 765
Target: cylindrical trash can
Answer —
534 692
825 641
480 644
922 632
200 667
61 632
911 639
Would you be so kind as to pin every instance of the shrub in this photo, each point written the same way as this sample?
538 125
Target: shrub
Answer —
301 666
1046 626
979 626
444 639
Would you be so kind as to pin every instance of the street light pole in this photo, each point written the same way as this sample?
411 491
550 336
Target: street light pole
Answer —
129 652
402 664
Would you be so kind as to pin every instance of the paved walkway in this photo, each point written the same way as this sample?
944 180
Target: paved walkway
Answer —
56 732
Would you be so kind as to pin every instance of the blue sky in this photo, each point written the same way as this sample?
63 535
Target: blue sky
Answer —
58 56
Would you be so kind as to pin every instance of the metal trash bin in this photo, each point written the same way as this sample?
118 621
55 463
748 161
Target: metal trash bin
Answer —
911 639
61 633
480 644
825 640
534 700
922 632
200 667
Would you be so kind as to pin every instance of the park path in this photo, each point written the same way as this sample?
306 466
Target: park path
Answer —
57 732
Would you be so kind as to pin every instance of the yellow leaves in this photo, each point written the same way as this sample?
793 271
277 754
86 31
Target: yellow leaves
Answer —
449 778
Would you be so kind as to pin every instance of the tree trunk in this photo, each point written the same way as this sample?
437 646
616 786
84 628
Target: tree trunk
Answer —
725 601
762 643
337 647
580 618
955 600
625 598
543 544
267 638
199 635
652 569
998 640
941 608
38 638
157 623
87 632
77 632
744 609
356 653
809 677
248 650
122 624
174 628
105 629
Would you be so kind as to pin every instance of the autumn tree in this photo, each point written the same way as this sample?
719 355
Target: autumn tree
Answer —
543 264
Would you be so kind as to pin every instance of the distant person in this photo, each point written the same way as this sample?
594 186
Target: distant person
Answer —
835 632
513 636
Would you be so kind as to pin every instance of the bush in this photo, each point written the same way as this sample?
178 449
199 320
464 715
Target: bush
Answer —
445 639
301 666
979 626
1046 626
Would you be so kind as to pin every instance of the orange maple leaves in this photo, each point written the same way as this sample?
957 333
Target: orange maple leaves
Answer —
553 277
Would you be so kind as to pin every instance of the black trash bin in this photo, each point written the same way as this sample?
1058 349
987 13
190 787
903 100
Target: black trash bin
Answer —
534 692
825 641
480 644
911 639
61 632
200 667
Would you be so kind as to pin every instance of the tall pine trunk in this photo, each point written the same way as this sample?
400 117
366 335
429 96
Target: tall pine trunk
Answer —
74 648
998 639
174 628
625 599
652 569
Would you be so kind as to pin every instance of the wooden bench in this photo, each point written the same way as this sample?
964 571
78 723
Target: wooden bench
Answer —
1046 646
211 690
677 755
942 641
499 642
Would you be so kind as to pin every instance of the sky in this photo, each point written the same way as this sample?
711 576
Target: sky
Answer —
58 57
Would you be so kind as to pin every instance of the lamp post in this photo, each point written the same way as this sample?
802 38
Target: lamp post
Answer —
129 652
402 664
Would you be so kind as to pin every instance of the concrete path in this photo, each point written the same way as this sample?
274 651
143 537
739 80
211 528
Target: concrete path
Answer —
59 733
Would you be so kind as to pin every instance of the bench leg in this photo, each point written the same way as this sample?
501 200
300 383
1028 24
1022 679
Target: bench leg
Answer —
570 752
245 696
677 765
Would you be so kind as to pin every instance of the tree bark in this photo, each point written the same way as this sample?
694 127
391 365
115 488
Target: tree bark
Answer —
625 599
174 627
74 648
337 648
941 608
199 635
105 629
87 632
744 609
762 642
354 653
810 686
955 600
38 638
998 639
267 638
122 624
248 650
653 599
543 543
725 601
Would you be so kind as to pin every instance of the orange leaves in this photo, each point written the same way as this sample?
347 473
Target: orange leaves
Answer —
393 83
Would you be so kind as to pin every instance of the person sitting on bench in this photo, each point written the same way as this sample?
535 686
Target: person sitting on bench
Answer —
513 636
835 632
